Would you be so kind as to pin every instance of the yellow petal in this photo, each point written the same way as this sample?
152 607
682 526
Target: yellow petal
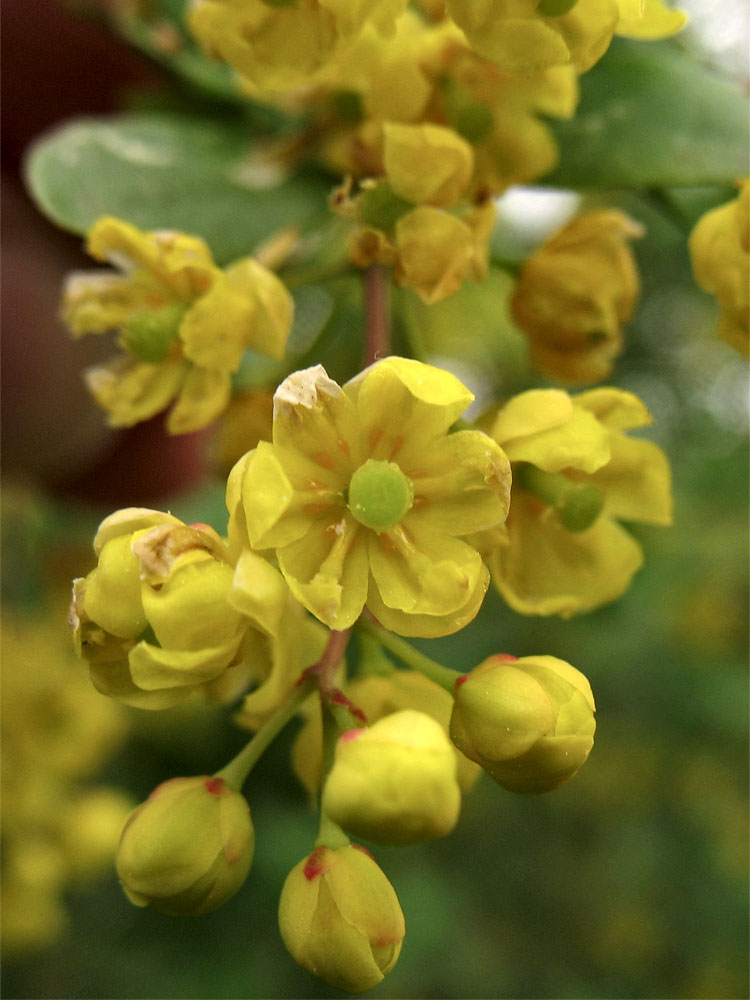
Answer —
427 164
156 669
616 409
131 391
203 397
636 483
259 592
547 570
95 302
463 485
648 19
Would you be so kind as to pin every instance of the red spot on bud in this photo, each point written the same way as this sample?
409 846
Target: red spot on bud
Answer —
350 734
461 680
359 847
504 657
315 865
215 786
201 526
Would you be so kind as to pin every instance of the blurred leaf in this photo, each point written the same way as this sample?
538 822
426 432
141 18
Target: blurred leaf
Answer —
652 115
162 171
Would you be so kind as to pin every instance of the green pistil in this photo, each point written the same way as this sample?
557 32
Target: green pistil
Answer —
379 495
149 334
577 505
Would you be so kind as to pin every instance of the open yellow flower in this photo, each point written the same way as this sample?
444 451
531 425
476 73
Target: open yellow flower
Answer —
364 496
720 252
183 323
575 475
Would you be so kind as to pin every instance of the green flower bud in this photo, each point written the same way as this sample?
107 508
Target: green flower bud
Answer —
340 918
188 848
394 783
528 722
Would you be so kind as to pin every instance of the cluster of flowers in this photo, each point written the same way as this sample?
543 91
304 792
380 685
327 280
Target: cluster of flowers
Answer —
371 509
366 510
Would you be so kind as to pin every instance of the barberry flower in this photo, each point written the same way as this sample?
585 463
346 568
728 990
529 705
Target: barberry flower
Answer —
282 45
364 496
340 918
379 696
183 323
188 848
532 35
529 722
167 611
575 475
720 252
574 294
394 782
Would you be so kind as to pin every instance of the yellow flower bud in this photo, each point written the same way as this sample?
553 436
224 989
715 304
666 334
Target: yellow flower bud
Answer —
340 918
529 722
394 783
188 848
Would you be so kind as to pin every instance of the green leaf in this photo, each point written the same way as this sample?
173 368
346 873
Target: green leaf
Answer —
652 115
167 171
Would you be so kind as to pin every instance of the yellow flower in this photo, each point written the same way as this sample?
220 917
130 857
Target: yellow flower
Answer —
574 294
529 722
184 323
282 45
188 848
340 918
526 36
394 782
168 611
57 829
720 252
378 696
364 494
575 474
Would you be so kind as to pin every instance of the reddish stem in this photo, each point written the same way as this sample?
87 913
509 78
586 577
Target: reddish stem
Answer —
325 669
377 314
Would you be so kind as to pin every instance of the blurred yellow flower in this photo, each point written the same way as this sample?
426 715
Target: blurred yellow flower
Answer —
282 45
575 475
57 732
525 36
574 294
183 323
364 496
720 252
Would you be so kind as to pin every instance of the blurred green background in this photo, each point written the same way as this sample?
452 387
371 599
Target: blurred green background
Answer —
631 881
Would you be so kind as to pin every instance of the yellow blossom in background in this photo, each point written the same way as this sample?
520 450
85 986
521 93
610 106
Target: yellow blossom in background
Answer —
169 611
575 476
574 294
279 46
183 323
247 420
364 495
525 36
720 252
57 732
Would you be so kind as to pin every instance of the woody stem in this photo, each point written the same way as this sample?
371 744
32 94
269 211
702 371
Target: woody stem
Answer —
377 314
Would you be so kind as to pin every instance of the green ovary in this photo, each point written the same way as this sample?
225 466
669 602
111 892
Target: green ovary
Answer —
379 495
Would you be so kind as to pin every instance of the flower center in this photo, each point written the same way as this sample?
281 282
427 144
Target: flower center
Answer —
150 333
379 494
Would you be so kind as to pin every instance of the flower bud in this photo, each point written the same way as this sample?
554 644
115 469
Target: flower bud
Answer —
394 783
188 848
529 722
340 918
